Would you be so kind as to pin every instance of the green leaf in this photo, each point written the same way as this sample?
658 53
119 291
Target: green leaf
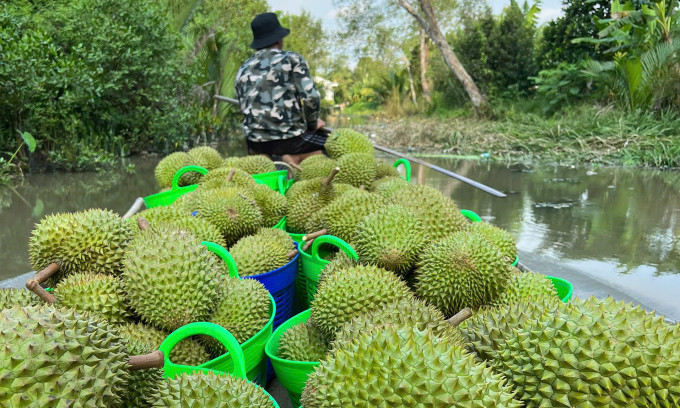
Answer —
29 140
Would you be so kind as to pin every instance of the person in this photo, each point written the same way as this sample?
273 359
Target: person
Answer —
277 97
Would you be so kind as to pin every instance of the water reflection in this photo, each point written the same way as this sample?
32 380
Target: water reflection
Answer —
627 216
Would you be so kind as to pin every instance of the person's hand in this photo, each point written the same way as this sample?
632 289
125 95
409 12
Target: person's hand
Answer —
319 124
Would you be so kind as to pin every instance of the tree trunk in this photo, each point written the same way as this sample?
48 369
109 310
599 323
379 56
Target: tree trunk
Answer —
424 63
410 81
429 24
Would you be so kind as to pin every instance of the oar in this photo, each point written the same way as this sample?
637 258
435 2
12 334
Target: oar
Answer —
466 180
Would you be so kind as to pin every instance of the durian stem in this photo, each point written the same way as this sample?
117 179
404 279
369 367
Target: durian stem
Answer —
35 287
230 175
291 254
307 246
139 202
143 224
460 317
49 270
155 359
314 235
329 179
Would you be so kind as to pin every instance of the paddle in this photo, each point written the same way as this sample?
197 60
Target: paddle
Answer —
465 180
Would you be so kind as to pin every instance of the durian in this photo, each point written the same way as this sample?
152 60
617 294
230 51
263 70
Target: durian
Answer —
357 169
594 353
403 313
460 271
263 252
498 237
168 166
21 297
231 211
217 178
404 368
316 166
528 286
55 357
391 238
209 390
244 309
343 214
255 164
181 220
345 141
203 156
388 186
439 214
385 170
303 342
93 241
98 294
170 278
350 292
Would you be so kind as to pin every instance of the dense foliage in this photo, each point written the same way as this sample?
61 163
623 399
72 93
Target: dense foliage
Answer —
90 79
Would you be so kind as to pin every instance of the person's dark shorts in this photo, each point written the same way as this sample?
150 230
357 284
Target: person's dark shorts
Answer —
306 143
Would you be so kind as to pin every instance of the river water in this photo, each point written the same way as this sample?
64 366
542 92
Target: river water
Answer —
607 230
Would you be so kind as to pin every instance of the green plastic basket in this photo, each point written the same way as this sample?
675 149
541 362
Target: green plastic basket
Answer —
276 180
291 374
563 287
253 348
407 168
238 365
311 264
175 192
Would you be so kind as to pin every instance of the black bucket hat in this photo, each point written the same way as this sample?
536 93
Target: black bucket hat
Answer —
266 30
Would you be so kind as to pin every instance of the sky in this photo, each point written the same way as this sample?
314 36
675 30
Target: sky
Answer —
324 9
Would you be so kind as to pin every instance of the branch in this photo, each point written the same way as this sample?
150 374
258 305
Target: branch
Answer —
409 8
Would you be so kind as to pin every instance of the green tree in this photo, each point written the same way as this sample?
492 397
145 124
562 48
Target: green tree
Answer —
510 55
308 38
556 46
90 79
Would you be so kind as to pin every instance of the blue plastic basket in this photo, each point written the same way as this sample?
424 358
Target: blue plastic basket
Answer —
281 284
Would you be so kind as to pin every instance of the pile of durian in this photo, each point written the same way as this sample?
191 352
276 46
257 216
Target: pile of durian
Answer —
392 329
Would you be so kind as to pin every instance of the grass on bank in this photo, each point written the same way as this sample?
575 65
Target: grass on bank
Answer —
581 134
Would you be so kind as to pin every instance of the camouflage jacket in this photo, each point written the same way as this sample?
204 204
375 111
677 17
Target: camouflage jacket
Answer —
276 96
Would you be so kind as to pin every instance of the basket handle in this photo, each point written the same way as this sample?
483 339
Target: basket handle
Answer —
208 329
220 251
186 169
471 215
330 239
291 170
407 168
